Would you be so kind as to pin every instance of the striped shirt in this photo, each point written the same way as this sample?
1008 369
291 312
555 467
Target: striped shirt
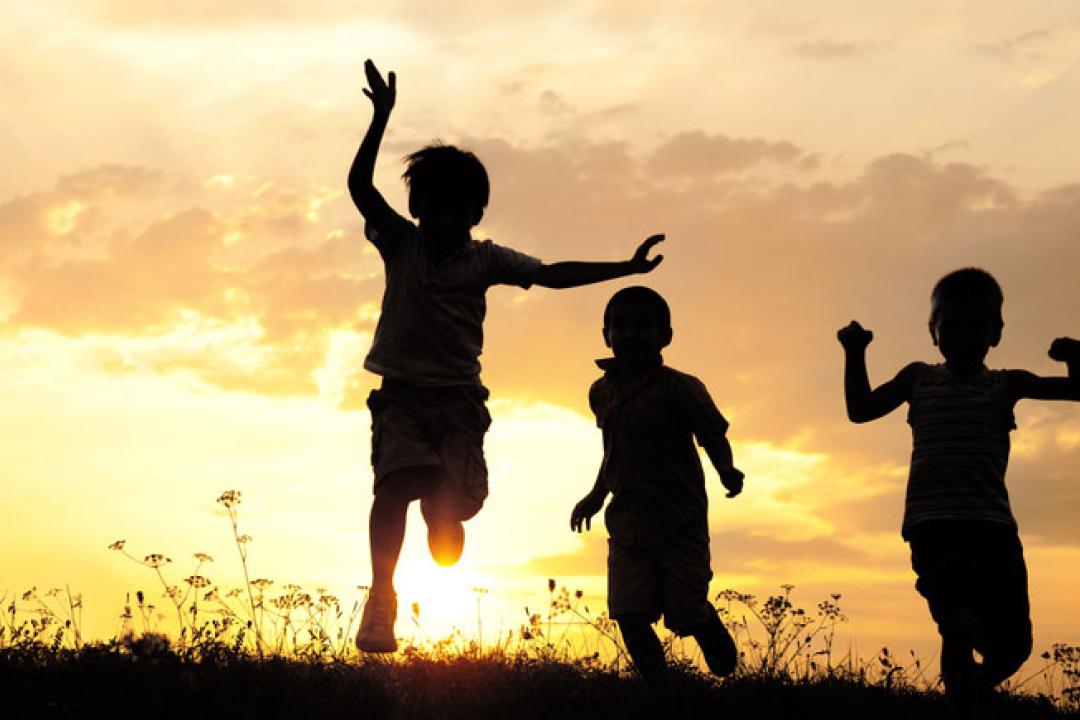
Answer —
960 427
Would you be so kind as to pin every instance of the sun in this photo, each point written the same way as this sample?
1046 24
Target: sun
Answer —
434 601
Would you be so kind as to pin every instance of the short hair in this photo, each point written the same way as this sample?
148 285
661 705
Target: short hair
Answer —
968 284
643 295
446 170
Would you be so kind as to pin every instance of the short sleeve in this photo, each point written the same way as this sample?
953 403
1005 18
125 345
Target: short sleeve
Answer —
596 402
510 267
706 421
385 231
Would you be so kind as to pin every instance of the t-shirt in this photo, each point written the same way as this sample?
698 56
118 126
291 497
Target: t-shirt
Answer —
651 465
431 330
960 426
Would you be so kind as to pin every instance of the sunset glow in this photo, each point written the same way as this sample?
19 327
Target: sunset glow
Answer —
186 295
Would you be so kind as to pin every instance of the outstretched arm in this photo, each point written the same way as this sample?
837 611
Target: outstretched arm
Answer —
574 274
1028 385
362 173
863 403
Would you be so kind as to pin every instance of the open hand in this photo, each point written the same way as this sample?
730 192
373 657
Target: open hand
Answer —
381 93
581 517
641 262
1065 349
854 336
732 481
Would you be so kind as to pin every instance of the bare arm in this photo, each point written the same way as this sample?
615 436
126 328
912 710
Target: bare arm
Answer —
574 274
1024 384
719 452
863 403
581 516
361 182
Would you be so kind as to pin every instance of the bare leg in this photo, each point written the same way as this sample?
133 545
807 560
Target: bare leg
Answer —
386 524
645 650
717 646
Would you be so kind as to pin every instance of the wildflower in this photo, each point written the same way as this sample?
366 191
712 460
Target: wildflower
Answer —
261 583
244 539
203 557
551 584
118 545
197 581
156 560
229 498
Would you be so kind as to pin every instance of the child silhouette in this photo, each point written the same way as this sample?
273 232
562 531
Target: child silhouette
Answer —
965 547
429 417
658 551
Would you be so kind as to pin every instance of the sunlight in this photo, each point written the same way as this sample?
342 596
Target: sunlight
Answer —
434 600
61 220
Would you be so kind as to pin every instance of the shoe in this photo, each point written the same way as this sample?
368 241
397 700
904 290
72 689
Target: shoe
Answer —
376 632
718 647
445 536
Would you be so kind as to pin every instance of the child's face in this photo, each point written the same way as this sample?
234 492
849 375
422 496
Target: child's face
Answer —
441 217
965 331
633 332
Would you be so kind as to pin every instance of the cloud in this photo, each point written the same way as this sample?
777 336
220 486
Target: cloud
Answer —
1016 47
830 50
106 252
761 268
696 153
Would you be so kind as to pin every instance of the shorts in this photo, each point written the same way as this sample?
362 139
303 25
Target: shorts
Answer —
975 570
669 579
441 428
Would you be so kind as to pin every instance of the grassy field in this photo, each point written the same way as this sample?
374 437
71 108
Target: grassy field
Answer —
111 681
269 650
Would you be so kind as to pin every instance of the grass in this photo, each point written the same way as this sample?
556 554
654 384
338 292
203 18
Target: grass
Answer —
275 651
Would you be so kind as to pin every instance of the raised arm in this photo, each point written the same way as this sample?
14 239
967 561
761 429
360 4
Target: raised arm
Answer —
574 274
362 173
863 403
1028 385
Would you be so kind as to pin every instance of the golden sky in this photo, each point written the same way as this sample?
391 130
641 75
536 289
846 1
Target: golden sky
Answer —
186 296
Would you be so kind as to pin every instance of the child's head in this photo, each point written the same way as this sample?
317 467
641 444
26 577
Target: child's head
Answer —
637 323
965 315
448 187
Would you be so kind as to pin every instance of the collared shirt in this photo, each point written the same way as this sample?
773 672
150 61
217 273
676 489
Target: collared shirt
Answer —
651 465
431 330
960 427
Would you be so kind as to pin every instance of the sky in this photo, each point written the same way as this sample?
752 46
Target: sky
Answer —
186 296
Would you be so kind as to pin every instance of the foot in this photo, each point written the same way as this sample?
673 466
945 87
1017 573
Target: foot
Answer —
376 632
718 647
446 540
445 535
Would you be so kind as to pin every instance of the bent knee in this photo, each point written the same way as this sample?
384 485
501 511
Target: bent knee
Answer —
636 621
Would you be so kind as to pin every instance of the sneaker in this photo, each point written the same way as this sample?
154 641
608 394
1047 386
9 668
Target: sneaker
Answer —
718 648
445 536
376 632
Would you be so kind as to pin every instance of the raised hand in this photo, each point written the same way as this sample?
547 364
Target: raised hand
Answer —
581 517
1065 349
854 336
732 481
641 262
381 93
